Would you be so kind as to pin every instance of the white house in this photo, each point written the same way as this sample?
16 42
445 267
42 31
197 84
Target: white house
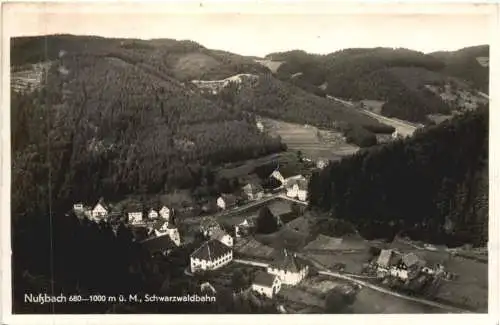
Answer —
165 213
260 126
153 214
289 268
135 217
226 201
210 256
99 211
78 207
277 175
266 284
242 228
322 163
223 237
296 187
164 228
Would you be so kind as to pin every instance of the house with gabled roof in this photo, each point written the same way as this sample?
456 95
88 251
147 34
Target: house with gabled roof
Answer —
253 191
100 210
135 217
210 256
266 284
165 212
225 201
296 187
159 245
162 227
223 237
289 268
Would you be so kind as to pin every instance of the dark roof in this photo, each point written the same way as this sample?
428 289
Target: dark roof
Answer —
253 188
218 234
288 262
158 244
157 225
229 199
264 279
208 223
211 250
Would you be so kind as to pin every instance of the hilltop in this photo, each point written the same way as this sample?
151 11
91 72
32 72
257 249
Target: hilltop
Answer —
184 60
403 80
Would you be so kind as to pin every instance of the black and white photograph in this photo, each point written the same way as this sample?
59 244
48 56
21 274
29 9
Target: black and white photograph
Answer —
242 162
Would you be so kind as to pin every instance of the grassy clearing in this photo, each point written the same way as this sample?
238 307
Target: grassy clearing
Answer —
372 302
270 64
311 141
247 167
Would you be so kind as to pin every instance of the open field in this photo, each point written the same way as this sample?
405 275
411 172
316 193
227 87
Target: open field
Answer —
270 64
469 289
311 141
372 302
352 262
244 168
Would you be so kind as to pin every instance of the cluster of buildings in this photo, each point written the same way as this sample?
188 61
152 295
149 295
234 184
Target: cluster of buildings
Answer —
403 266
295 186
161 235
217 252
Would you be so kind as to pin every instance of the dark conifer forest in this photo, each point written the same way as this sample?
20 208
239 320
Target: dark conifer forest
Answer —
433 187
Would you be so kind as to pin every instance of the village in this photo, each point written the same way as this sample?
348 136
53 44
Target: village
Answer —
300 275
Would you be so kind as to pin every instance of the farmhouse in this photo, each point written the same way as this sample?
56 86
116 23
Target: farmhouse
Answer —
226 201
387 259
210 256
289 268
99 211
296 187
266 284
223 237
135 217
253 191
159 245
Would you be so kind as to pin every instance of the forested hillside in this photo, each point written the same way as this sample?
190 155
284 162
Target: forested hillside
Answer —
433 186
266 96
466 65
104 126
183 60
395 76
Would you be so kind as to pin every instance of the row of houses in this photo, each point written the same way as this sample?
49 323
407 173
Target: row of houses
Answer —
102 211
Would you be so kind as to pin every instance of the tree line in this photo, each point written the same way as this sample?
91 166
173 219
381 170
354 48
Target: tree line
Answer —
433 186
